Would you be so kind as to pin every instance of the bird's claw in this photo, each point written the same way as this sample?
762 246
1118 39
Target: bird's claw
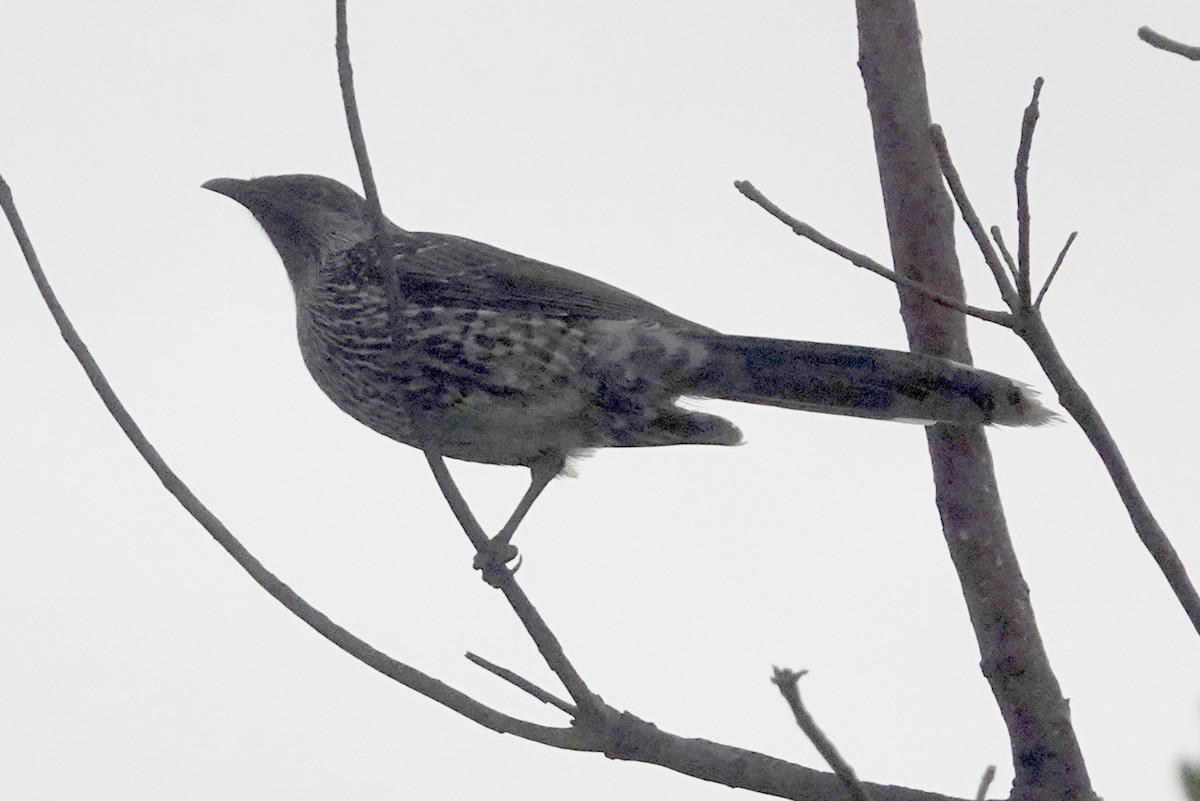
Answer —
492 560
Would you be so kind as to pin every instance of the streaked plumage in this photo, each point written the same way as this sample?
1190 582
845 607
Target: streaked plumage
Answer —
494 357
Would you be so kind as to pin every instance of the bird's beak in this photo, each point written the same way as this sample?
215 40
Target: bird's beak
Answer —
229 187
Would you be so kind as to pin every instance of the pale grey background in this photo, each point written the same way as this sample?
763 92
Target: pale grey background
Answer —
140 663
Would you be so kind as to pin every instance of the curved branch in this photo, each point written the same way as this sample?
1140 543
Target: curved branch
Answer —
359 649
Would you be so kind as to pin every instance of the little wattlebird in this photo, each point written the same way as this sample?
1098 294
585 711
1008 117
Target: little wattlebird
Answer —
469 351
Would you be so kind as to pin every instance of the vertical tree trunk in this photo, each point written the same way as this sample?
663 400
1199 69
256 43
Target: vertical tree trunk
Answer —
920 217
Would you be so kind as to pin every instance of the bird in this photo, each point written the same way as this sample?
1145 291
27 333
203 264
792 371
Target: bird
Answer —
468 351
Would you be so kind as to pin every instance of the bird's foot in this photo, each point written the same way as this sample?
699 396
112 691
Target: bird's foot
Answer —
492 560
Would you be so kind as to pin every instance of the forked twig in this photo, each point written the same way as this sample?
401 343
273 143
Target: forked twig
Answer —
1030 326
547 643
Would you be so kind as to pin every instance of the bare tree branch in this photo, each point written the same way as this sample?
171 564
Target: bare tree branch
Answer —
498 576
1046 755
788 682
1008 259
1021 179
1062 254
985 781
1029 325
1079 405
524 684
1156 39
357 140
863 261
547 644
974 225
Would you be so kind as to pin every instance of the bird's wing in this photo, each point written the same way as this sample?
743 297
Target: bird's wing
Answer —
444 270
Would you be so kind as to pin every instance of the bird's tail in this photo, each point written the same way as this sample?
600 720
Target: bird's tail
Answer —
862 382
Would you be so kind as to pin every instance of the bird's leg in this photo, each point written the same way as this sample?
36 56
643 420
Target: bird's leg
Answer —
540 474
500 550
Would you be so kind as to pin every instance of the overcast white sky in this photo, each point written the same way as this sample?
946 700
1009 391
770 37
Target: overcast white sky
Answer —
141 663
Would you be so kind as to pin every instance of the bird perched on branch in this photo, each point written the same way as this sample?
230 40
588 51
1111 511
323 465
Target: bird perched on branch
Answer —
469 351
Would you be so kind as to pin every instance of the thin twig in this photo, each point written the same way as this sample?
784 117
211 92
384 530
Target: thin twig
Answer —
357 140
989 774
788 682
502 578
1156 39
1079 405
1062 254
589 704
524 684
805 230
1021 176
1008 259
974 225
547 644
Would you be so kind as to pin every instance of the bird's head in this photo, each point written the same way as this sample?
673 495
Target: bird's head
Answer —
307 217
